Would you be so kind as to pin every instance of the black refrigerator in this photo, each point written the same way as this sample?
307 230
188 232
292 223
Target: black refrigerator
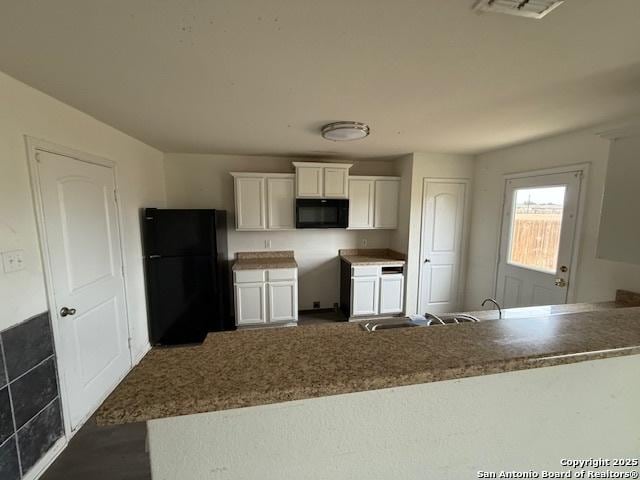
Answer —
186 274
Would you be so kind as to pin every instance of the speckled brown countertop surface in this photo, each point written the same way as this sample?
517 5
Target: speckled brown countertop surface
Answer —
372 256
624 298
546 310
255 367
260 260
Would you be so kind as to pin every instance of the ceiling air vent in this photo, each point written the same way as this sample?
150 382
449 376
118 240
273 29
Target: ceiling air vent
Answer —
520 8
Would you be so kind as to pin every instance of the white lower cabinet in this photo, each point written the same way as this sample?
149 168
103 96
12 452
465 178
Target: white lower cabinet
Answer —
364 296
374 292
266 296
250 303
283 301
391 293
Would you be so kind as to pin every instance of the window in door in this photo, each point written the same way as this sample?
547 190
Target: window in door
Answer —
536 225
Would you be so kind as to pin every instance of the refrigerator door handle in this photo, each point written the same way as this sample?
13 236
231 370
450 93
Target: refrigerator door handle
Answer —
155 256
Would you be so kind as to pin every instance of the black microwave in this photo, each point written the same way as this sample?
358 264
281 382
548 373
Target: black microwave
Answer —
322 213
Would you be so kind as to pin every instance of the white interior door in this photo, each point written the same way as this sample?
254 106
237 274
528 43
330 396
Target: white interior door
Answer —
536 247
443 211
83 245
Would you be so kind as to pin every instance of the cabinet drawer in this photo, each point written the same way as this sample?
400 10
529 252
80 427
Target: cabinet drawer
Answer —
246 276
366 271
276 274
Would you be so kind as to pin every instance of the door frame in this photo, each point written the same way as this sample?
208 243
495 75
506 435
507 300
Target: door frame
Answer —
32 146
583 168
462 273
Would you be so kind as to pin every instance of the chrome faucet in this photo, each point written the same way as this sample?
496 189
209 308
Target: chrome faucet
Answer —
494 301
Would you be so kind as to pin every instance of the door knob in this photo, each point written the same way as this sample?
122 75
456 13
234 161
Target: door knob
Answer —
64 311
427 260
560 282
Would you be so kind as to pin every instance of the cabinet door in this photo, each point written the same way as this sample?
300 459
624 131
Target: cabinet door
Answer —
386 204
391 293
361 203
309 181
250 203
335 182
280 203
364 296
250 304
283 301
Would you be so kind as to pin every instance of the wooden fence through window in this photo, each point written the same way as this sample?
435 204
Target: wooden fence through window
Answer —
536 238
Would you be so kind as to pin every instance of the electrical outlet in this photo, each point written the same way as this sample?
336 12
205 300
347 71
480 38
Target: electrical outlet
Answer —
316 304
267 244
364 242
13 261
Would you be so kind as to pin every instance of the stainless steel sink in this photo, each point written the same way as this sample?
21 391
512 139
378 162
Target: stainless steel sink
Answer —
427 321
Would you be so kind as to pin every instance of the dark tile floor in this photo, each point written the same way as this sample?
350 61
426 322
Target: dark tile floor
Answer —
119 452
319 318
104 453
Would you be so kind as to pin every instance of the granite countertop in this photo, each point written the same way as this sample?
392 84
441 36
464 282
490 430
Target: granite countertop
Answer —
624 298
262 260
372 256
256 367
544 311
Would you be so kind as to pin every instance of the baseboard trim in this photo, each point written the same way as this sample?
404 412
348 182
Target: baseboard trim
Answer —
47 460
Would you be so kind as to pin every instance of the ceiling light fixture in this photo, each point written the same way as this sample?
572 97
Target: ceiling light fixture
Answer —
345 131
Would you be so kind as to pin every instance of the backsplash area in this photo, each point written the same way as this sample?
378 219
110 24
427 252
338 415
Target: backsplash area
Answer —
30 411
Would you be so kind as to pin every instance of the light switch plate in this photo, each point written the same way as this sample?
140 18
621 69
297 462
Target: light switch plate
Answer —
13 261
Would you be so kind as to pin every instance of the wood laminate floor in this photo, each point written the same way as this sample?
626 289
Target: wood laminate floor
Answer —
104 453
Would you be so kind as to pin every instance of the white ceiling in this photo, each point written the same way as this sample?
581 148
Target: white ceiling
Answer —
261 77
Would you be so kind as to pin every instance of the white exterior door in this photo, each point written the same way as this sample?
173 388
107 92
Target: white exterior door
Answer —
281 203
536 247
250 303
443 211
283 301
83 245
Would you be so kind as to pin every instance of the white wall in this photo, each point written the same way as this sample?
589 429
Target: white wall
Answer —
444 430
203 181
594 279
26 111
619 235
414 169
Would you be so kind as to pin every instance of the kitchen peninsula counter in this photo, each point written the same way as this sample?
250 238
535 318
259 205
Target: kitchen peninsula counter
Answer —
258 367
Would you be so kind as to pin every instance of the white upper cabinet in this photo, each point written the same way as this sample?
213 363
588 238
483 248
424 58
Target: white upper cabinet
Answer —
280 203
264 201
309 181
361 198
322 180
373 202
250 203
386 204
336 182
